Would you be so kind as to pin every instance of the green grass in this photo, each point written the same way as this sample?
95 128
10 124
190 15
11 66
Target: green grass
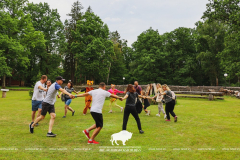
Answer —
201 125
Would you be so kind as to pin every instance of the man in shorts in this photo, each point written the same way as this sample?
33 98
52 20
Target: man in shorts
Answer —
38 96
98 98
48 105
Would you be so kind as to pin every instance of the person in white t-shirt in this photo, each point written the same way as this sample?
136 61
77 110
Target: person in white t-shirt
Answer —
98 99
38 96
48 105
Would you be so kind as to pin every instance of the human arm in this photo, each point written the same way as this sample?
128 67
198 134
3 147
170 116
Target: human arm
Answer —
125 97
120 91
41 87
82 90
82 95
65 92
117 97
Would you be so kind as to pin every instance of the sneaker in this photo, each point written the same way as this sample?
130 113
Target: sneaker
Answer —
94 142
30 127
158 115
168 120
86 134
64 117
51 135
73 113
141 131
175 119
110 111
36 124
84 114
148 113
90 142
165 116
121 109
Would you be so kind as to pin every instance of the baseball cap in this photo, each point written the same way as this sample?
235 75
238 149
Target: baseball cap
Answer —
60 78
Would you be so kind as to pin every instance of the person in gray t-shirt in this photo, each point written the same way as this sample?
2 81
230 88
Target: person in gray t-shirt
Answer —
170 102
69 88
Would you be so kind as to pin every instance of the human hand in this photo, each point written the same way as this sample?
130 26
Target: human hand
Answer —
45 89
58 96
120 98
71 96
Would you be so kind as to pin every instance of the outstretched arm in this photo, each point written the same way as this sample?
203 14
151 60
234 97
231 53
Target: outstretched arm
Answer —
125 97
65 92
115 96
82 95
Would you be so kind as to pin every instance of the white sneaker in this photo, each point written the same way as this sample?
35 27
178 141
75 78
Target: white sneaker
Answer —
148 113
165 116
158 115
121 109
110 111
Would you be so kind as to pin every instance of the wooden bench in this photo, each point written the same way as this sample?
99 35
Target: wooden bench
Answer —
210 94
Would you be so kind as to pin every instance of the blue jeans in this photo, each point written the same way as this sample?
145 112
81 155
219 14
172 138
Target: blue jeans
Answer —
36 105
68 101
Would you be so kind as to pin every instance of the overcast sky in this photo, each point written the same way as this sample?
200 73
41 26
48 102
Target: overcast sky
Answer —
131 17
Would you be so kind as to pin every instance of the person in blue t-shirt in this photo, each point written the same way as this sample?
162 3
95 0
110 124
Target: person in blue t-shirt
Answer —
48 105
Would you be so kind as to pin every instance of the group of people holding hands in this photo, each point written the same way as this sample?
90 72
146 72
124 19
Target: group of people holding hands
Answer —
43 101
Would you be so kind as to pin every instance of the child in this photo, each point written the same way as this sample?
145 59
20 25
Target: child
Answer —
146 103
159 100
114 100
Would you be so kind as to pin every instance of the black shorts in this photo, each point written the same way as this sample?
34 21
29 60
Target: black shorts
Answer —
46 107
98 118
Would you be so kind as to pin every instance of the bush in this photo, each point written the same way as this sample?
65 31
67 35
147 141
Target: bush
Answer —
30 93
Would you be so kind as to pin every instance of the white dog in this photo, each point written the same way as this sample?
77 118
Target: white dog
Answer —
121 136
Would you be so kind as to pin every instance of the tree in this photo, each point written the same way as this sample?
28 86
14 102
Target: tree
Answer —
210 42
92 48
70 63
227 13
46 59
117 69
17 37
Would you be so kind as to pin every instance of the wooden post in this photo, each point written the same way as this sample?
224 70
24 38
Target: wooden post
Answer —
4 93
211 97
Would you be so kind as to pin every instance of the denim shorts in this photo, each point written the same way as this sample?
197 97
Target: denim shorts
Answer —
36 105
68 101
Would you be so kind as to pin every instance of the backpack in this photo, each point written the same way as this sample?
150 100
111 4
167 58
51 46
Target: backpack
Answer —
138 106
174 97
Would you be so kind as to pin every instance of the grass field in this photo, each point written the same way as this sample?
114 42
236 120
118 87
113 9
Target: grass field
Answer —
205 130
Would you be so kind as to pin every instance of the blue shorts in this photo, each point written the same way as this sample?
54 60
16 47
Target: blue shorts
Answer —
68 101
36 105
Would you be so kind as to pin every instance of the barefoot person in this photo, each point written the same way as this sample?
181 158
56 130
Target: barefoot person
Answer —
130 107
114 100
38 96
98 98
48 105
69 88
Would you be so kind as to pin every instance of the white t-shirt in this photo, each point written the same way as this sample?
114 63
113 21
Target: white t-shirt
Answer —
98 99
38 93
52 93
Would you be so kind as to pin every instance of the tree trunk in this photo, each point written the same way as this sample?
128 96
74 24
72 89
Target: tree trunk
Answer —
216 81
4 82
108 73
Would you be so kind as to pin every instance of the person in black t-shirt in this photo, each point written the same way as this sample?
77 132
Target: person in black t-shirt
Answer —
131 97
